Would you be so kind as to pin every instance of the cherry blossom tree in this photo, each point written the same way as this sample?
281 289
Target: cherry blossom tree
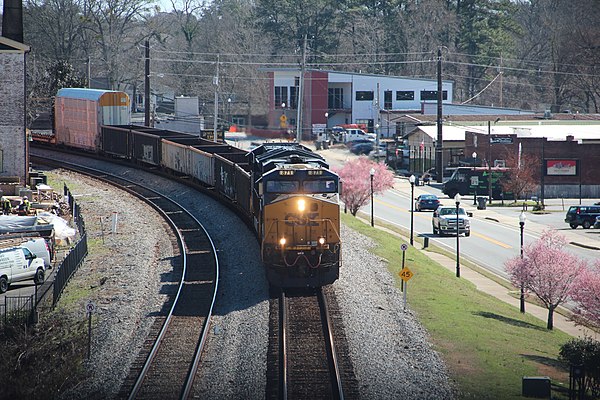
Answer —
356 182
546 270
586 293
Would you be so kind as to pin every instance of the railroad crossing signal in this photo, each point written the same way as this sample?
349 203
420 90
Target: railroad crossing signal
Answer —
405 274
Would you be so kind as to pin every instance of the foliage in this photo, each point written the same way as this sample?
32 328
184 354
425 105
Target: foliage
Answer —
586 293
356 182
44 360
546 270
584 352
523 174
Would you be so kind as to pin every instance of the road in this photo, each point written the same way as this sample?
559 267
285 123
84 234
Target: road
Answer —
495 232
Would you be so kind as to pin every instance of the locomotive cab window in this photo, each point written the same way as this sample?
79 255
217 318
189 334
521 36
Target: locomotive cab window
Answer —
283 186
320 186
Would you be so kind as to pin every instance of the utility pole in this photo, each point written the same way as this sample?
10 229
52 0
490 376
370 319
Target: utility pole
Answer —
301 94
490 161
439 165
147 86
216 84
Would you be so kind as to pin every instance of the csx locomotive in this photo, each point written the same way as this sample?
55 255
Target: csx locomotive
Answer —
285 190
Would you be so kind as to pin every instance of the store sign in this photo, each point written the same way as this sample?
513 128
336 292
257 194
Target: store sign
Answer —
561 167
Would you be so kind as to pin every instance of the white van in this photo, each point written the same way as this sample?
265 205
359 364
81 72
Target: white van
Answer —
357 134
39 247
19 264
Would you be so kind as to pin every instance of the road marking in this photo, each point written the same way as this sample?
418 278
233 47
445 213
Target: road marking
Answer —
479 235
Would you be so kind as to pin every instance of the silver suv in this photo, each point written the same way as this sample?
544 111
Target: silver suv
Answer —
444 221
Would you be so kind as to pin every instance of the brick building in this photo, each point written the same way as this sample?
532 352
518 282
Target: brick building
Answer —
569 164
13 138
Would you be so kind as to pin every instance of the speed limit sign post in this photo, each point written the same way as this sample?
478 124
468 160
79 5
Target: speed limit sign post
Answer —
405 273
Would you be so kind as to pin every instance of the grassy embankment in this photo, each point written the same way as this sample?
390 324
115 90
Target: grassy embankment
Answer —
488 345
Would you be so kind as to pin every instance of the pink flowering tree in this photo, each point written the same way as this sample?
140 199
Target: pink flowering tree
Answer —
586 293
356 182
547 271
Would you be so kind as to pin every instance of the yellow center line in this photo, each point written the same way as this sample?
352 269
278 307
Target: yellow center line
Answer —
479 235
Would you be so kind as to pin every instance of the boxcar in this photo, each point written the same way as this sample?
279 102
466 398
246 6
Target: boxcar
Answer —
79 114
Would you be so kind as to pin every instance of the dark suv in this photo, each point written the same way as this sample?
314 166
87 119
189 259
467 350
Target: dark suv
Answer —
582 215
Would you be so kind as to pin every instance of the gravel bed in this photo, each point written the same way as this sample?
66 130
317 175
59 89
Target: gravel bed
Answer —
390 350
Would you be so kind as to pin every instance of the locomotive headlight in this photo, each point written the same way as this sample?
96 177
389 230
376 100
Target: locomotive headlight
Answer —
301 205
282 241
321 241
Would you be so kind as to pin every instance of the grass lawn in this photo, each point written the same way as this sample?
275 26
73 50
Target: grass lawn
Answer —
488 345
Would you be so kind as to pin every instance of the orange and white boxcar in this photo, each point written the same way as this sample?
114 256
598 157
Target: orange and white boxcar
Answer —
80 112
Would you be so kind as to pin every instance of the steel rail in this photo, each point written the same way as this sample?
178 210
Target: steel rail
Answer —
110 179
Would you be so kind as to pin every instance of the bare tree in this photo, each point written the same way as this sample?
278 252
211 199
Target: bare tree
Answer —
523 174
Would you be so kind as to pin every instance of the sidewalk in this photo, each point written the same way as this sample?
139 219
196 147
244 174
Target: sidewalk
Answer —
489 286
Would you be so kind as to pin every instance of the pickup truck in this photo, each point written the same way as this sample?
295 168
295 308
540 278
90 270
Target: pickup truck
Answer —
443 221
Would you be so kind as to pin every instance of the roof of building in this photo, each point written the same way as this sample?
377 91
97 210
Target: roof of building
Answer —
551 130
11 46
292 69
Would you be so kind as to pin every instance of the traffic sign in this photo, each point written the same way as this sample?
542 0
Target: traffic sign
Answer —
404 247
405 274
90 307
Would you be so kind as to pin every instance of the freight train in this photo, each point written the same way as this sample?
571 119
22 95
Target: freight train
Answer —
284 190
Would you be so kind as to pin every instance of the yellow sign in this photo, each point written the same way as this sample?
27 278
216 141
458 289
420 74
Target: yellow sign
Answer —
405 274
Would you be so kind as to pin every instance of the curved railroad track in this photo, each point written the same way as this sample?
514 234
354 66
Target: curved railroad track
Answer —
168 362
307 358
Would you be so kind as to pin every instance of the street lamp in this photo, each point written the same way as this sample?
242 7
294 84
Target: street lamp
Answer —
522 219
372 173
412 205
377 141
457 200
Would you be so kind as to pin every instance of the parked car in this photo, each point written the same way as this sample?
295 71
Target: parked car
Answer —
444 221
362 148
582 215
426 202
19 264
597 223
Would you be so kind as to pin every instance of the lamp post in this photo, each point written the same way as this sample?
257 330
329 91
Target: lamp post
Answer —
372 173
412 205
377 141
457 200
522 219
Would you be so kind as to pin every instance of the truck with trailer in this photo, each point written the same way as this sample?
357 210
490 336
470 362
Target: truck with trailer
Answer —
474 181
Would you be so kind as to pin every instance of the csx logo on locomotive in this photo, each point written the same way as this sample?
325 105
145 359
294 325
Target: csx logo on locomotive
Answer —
295 219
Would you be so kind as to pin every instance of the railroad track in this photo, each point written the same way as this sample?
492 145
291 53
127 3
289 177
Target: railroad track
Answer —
166 366
307 359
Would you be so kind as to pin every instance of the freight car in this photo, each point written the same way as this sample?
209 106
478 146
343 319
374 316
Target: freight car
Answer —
79 113
285 190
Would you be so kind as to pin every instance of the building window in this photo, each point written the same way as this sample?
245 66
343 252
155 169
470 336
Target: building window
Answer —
335 99
239 121
281 96
297 81
293 97
364 95
432 95
405 95
369 123
387 100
